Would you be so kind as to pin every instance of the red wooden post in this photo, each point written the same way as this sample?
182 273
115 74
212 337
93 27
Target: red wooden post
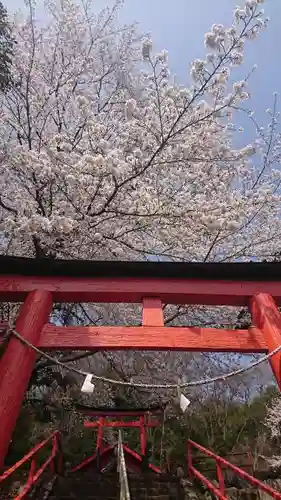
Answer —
152 313
142 436
266 317
100 433
32 471
17 363
220 478
251 463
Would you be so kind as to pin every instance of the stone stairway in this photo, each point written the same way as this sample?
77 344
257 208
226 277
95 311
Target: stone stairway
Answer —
86 485
155 487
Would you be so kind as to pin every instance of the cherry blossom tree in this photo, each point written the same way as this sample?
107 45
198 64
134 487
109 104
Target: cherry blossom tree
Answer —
105 156
273 427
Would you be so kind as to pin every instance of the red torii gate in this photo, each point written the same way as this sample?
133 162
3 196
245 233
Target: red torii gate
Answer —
40 283
143 420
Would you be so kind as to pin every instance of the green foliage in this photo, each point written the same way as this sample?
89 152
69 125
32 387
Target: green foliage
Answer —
21 437
222 426
219 425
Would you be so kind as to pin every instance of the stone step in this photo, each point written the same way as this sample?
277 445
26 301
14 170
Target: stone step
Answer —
152 497
149 493
154 486
92 486
83 497
151 490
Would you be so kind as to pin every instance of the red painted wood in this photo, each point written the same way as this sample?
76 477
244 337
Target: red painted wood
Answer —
207 483
136 456
152 338
152 313
112 413
17 363
133 460
266 316
100 425
106 452
89 424
170 291
225 464
3 326
143 424
3 329
26 489
220 478
28 456
34 474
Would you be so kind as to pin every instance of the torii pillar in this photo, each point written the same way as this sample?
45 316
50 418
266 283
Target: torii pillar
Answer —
18 361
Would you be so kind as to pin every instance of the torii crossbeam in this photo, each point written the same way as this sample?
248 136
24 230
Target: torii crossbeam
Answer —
143 420
40 283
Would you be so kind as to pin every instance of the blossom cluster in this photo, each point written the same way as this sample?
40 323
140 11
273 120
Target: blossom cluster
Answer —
102 159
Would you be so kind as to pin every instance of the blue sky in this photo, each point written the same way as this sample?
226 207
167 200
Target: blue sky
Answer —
179 27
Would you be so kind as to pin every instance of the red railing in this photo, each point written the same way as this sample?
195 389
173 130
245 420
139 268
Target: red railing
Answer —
107 449
92 458
222 464
54 461
138 457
